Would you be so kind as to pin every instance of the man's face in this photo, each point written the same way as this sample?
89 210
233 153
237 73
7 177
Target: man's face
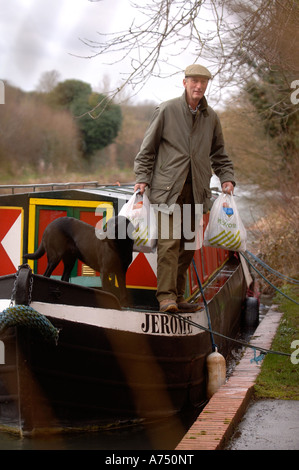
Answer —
195 88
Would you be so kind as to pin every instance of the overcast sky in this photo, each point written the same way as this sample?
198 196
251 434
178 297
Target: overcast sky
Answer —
43 35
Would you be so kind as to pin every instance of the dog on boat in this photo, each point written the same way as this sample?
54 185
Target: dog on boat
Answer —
109 251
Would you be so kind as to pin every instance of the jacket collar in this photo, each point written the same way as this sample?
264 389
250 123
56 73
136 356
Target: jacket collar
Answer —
203 104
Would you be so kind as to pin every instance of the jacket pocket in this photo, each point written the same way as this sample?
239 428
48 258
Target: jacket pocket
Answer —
161 186
162 182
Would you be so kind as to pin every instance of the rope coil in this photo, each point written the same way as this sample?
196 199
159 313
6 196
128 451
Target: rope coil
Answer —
26 316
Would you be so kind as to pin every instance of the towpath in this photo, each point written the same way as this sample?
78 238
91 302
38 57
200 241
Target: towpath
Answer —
233 403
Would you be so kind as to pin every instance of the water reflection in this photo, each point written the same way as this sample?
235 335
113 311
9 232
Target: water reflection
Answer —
162 435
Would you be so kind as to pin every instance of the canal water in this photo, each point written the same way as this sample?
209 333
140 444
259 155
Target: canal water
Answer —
167 433
164 435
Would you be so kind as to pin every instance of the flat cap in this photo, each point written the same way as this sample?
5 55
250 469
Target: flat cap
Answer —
197 70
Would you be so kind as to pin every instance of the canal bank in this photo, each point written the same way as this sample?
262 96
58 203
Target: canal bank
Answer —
219 420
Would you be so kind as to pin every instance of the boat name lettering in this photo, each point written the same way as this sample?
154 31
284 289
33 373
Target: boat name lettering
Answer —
165 324
225 224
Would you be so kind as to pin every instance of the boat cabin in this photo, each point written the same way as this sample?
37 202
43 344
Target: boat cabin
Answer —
25 215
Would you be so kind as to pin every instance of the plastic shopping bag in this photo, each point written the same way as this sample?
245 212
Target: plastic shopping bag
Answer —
225 228
139 211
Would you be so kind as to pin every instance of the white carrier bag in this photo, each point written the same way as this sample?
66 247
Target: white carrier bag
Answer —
225 228
139 211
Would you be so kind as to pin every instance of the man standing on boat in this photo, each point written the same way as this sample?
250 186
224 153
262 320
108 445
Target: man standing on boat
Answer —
181 147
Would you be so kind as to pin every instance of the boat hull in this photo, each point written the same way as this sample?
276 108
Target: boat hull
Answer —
110 366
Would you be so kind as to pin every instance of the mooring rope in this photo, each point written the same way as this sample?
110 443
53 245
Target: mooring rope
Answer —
214 345
267 280
239 341
179 316
271 270
262 350
24 315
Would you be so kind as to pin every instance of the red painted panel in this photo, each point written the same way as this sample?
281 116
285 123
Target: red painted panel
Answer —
140 273
6 266
192 274
46 216
7 219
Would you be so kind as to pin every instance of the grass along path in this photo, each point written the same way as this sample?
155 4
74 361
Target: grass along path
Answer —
279 376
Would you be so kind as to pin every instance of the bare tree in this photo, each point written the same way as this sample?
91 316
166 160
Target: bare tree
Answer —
48 81
235 37
174 26
246 43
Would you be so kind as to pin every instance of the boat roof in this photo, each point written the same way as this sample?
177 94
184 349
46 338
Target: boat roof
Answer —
85 190
89 188
123 191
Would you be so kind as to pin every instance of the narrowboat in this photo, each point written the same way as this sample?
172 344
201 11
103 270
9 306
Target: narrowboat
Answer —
71 358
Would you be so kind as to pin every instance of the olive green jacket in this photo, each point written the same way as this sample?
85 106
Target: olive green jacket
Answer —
172 143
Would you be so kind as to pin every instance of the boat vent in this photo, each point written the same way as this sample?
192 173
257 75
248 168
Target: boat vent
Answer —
87 271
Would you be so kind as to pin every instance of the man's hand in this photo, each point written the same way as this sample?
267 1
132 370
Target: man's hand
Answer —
228 187
140 186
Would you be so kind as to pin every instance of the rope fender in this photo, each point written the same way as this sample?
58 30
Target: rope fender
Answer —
24 315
